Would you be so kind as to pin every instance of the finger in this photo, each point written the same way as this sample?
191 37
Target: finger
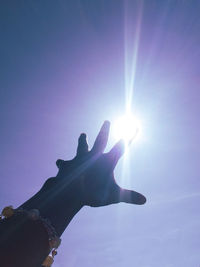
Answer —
116 152
132 197
133 138
82 145
59 163
102 138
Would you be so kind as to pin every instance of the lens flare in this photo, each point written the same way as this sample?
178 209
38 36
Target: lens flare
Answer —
127 128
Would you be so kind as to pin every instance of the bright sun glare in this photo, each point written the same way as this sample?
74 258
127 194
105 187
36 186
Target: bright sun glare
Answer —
127 128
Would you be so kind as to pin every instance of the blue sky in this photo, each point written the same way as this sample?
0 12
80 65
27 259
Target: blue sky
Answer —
63 69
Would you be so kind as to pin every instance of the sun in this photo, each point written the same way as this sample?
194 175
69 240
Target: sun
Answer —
126 127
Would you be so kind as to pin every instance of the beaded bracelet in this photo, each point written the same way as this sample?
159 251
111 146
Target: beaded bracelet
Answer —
54 239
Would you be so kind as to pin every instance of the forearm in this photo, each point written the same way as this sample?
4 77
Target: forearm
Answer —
52 204
61 215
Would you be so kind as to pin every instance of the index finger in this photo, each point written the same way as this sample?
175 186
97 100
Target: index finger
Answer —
116 152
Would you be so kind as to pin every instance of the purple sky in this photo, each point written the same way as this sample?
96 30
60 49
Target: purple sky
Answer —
62 69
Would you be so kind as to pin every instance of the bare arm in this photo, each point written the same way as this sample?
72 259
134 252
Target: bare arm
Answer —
87 179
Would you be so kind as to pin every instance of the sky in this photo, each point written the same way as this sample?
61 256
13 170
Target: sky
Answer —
65 67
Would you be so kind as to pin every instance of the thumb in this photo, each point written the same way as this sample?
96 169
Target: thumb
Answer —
132 197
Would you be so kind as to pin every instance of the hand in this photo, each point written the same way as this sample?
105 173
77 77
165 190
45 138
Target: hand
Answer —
90 173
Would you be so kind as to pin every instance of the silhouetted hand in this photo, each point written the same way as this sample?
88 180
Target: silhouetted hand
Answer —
90 173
